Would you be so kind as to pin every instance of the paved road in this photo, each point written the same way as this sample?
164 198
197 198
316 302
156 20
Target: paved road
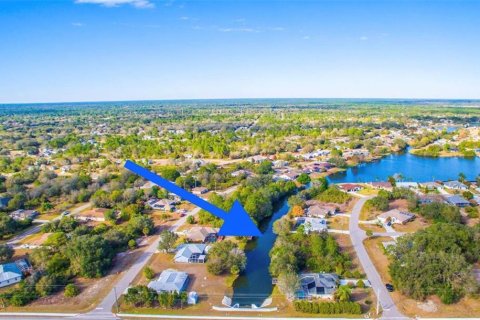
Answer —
37 228
108 303
357 236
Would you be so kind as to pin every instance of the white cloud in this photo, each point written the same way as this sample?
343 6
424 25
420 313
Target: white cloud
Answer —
237 30
142 4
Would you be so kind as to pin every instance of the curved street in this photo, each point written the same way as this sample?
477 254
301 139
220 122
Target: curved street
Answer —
357 236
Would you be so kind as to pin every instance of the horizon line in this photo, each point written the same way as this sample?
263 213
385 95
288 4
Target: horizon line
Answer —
220 99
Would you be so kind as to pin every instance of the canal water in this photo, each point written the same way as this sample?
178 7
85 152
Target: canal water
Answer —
255 283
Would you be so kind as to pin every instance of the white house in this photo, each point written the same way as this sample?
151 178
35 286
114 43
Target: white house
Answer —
10 274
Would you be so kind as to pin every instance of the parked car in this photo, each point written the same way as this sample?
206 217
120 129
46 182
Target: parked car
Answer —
389 287
64 213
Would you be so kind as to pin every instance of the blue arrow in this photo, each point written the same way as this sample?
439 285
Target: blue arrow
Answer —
236 222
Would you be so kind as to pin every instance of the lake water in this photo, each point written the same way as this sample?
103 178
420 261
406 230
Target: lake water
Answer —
412 168
255 283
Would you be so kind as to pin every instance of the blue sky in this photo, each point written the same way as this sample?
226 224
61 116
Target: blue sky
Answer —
95 50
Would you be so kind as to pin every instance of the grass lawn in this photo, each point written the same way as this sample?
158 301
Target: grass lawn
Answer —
368 191
339 223
432 307
372 227
35 239
418 224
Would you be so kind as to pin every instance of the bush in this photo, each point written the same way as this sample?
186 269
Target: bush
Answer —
71 290
148 273
328 307
360 284
132 244
190 220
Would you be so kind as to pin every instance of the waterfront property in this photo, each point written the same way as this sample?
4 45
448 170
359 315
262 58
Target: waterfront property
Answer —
395 216
191 253
381 185
312 224
455 185
170 280
317 285
351 187
202 234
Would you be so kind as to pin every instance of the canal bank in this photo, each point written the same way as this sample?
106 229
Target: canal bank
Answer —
254 285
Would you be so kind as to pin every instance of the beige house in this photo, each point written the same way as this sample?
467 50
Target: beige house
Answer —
395 216
202 234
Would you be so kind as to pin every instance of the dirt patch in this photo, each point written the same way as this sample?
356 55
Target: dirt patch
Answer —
427 306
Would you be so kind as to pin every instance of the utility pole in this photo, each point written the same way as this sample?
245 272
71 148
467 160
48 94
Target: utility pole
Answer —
378 302
116 299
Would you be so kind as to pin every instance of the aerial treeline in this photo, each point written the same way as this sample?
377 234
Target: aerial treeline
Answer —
437 261
258 195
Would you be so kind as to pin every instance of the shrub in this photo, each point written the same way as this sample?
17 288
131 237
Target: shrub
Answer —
328 307
148 273
71 290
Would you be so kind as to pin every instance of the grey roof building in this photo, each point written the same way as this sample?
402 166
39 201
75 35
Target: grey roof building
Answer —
455 185
10 273
170 280
458 201
322 285
312 224
191 253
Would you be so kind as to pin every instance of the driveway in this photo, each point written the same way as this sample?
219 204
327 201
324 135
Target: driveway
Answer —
357 236
108 303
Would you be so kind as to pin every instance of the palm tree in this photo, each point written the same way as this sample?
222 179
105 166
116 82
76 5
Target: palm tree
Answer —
343 294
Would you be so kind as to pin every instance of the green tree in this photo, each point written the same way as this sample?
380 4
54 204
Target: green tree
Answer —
304 178
6 253
343 293
167 240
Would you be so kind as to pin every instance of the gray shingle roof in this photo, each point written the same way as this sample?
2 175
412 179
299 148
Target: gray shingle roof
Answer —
170 280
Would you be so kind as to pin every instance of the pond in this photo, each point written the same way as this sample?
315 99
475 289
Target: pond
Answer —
255 283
